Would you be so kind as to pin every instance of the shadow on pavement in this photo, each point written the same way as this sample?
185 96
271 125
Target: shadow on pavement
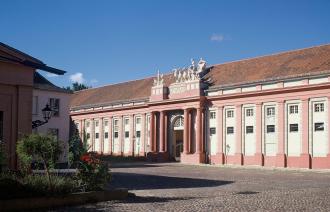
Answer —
132 165
133 181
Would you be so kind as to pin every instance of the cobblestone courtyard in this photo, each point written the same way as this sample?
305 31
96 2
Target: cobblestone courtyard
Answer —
176 187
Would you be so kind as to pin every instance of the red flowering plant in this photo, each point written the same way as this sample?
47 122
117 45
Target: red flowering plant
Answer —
93 172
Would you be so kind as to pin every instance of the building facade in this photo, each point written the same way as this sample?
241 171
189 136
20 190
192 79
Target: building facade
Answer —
266 111
58 99
16 90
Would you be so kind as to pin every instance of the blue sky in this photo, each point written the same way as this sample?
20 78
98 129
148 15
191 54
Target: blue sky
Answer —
105 42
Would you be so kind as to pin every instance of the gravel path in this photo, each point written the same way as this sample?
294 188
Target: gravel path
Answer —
177 187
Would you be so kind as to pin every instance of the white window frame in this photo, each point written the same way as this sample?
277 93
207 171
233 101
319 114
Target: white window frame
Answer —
213 115
230 114
270 111
249 112
319 107
293 109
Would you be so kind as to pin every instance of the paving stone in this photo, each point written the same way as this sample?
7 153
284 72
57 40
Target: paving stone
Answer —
177 187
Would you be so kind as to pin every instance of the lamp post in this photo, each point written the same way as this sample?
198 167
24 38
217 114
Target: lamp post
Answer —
47 114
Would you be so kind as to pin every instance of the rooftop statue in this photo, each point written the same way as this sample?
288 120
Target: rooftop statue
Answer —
191 73
159 80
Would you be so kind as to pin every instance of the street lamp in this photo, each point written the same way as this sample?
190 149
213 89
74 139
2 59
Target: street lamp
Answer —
47 114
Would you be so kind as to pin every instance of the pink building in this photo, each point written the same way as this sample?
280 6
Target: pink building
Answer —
45 92
266 111
16 90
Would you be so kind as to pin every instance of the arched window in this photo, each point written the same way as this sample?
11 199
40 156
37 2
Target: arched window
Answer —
178 122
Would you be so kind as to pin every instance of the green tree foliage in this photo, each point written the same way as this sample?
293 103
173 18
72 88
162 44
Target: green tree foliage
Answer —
77 87
37 148
76 148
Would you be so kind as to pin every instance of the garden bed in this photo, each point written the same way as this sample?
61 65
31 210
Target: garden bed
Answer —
65 200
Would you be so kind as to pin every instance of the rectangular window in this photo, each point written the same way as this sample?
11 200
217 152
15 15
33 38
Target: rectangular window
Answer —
138 134
138 120
106 135
294 128
106 123
293 109
249 129
126 121
126 134
249 112
230 114
115 125
212 131
87 124
96 123
270 111
319 107
116 135
270 128
319 126
53 132
88 135
35 105
97 135
54 104
212 115
230 130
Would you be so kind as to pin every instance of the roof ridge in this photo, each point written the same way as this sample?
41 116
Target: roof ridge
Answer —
272 54
118 83
234 61
22 53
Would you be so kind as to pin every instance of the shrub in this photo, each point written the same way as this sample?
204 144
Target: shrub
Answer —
76 149
93 173
42 149
37 183
14 185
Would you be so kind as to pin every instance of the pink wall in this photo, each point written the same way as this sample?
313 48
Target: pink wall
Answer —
278 95
16 102
62 122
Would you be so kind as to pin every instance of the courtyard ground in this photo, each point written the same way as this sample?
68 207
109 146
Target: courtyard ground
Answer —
177 187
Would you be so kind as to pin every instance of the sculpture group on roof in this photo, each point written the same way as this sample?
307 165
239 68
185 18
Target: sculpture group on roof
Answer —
185 74
191 73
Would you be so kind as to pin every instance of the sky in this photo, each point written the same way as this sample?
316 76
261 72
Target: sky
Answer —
105 42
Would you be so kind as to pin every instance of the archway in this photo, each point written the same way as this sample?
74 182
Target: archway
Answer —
177 138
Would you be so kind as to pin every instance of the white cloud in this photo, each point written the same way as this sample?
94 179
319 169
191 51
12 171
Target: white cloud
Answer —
217 37
50 75
77 77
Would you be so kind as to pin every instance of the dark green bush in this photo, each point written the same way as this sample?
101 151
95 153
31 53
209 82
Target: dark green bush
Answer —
15 185
76 149
38 148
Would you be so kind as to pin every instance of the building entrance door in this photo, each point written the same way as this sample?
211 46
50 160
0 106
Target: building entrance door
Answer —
177 144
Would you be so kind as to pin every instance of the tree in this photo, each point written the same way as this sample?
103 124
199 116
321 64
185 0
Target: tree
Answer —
77 87
42 149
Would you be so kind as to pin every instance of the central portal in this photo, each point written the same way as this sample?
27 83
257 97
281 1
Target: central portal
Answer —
177 137
177 144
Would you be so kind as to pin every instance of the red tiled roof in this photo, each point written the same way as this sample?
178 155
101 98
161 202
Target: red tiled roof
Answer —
282 65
